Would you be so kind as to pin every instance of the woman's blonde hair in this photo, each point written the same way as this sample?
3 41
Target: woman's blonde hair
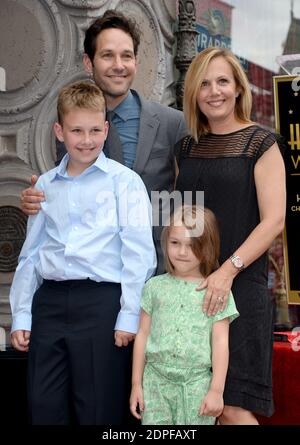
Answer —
196 120
206 247
82 94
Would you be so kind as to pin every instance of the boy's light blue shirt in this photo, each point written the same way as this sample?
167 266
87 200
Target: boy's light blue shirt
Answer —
96 225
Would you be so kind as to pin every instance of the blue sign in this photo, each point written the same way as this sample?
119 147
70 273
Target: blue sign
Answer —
206 40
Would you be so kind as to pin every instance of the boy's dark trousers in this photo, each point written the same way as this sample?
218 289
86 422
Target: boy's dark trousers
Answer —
73 362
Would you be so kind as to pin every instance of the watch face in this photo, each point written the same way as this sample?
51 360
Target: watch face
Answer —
238 262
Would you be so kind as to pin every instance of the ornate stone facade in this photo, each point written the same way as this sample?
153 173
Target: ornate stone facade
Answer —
186 43
41 44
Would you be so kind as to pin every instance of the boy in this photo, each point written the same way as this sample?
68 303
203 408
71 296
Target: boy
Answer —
81 270
145 132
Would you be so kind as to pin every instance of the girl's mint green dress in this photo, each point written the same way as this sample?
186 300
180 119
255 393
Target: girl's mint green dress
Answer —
177 372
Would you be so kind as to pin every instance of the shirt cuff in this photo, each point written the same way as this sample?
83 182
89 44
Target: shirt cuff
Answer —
21 323
127 322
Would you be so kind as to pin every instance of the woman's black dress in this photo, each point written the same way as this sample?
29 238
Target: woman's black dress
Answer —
223 167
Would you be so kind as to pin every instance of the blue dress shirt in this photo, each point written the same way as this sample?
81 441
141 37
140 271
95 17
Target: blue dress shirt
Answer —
126 119
96 225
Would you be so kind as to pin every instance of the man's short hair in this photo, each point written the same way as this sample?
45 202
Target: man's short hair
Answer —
110 19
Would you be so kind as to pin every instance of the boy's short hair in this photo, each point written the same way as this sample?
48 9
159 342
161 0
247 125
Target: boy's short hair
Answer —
82 94
111 19
205 247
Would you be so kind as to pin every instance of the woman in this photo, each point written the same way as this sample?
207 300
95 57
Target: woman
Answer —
240 168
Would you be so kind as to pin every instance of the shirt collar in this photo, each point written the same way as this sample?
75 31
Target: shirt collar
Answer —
128 108
60 172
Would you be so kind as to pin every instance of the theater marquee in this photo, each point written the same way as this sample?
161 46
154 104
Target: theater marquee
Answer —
287 113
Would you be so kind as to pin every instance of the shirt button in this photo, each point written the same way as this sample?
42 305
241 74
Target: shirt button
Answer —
76 228
73 204
70 264
181 305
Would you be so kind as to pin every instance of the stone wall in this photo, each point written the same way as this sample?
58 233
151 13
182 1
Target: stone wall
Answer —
41 43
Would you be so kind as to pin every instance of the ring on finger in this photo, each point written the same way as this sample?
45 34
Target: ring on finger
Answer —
220 299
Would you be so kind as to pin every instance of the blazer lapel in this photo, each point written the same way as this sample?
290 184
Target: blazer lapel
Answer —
113 147
147 133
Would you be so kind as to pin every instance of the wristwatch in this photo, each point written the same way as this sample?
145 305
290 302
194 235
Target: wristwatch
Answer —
237 262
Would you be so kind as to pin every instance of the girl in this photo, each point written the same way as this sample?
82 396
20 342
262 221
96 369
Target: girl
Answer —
177 344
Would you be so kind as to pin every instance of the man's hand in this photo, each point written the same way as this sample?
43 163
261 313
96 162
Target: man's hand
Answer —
122 338
31 198
20 340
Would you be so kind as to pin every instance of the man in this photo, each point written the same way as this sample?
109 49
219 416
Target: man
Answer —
143 134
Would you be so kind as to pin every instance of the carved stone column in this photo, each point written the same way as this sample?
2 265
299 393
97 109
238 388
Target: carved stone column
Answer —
186 43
